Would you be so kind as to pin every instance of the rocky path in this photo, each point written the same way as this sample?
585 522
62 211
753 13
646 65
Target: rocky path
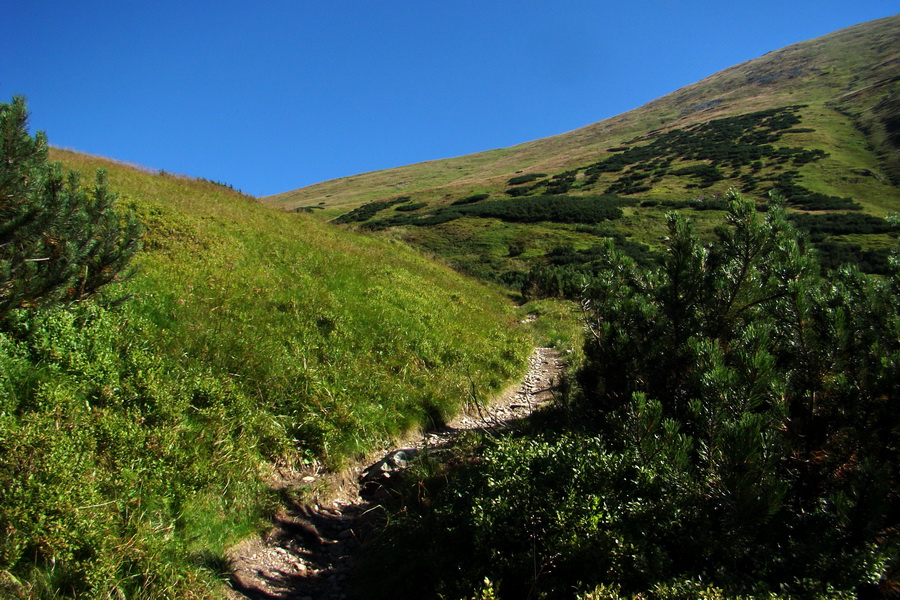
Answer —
308 553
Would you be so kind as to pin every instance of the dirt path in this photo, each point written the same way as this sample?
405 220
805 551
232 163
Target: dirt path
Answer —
308 554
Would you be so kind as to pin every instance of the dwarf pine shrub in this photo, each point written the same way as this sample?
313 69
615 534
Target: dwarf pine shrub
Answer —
735 437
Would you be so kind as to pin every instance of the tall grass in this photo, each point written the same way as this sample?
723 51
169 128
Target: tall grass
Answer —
135 440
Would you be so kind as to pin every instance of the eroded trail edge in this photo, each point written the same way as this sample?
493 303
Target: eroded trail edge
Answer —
308 553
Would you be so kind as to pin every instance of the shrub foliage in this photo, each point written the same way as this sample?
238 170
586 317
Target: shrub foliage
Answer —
737 426
58 241
367 211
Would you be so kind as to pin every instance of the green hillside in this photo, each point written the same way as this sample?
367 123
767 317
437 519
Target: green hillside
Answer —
737 400
815 122
138 437
732 430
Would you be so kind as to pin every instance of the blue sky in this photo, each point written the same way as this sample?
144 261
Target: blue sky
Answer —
272 96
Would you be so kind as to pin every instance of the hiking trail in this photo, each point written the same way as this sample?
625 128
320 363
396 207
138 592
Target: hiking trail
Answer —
308 553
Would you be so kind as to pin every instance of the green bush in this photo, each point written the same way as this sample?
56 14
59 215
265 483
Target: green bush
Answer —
567 271
527 178
530 209
839 224
786 185
522 190
58 242
104 445
707 174
557 209
470 199
833 255
736 142
411 207
735 438
369 210
778 382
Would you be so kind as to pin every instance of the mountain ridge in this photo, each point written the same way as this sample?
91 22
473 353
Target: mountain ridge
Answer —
810 68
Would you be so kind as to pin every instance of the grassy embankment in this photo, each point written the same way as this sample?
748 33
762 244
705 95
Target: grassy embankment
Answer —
136 440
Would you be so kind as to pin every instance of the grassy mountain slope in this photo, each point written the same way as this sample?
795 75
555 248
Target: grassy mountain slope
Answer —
747 127
845 67
136 439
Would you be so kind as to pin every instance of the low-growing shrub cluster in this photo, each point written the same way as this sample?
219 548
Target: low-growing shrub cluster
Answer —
470 199
120 469
556 209
426 219
786 186
521 190
411 207
630 183
531 209
705 173
527 178
832 255
566 272
701 203
819 226
734 142
369 210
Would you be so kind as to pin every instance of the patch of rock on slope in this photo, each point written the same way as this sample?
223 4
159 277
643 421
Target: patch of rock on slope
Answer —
308 553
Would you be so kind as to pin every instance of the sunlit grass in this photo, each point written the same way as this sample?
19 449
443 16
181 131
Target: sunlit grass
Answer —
248 338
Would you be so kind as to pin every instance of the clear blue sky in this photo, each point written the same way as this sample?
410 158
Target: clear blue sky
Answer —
274 95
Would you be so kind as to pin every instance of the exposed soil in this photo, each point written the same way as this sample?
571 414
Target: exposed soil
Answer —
308 553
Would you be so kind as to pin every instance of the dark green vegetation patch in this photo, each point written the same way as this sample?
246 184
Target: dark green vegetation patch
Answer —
367 211
531 209
470 199
556 209
411 207
823 228
839 223
520 179
567 271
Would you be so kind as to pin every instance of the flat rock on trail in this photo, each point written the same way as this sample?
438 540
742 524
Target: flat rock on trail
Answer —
308 553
